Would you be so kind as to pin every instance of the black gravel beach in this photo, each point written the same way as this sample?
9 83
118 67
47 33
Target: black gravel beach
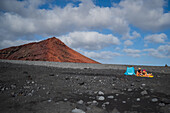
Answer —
46 87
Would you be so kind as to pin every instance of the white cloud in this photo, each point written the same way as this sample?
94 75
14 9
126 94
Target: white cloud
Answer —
89 40
128 43
9 43
133 36
23 18
101 55
146 14
117 48
156 38
131 51
162 51
165 49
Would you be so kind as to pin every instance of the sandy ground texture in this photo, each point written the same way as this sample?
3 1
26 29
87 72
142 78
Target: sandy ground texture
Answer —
46 87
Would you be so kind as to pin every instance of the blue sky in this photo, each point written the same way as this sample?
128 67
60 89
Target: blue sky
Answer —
108 31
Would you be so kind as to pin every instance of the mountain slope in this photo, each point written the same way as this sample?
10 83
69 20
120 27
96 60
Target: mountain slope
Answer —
51 49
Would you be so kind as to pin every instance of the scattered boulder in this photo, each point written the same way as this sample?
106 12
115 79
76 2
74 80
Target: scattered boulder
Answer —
110 97
162 104
154 100
100 98
138 99
123 102
77 111
13 86
100 93
80 102
129 90
144 92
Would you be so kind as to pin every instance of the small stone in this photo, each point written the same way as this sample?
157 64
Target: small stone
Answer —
132 84
117 94
32 82
47 92
138 99
115 111
77 111
129 90
103 106
161 104
107 103
49 100
113 85
100 93
32 91
80 102
3 89
101 98
43 88
89 102
28 82
154 100
29 94
123 102
144 92
65 99
111 97
13 86
95 102
143 85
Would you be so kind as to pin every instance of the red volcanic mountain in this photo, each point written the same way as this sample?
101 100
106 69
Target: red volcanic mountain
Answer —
51 49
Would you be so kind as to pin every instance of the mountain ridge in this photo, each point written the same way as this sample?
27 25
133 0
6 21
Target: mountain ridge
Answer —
51 49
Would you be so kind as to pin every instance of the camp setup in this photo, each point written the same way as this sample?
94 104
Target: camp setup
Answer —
130 71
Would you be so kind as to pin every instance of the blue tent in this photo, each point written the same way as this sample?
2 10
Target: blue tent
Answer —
130 71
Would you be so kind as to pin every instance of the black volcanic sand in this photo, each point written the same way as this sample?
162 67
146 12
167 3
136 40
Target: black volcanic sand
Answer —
40 89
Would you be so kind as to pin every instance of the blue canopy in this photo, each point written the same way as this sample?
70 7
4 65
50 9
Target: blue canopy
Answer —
130 71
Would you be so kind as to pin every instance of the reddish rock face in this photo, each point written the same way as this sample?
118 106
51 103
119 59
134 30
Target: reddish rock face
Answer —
51 49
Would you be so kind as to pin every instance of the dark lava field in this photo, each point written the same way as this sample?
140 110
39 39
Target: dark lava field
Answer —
43 89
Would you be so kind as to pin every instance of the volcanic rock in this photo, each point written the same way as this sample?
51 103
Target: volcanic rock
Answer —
51 49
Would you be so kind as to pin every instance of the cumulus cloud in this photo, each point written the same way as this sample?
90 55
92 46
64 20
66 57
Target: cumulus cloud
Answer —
21 18
128 43
162 51
133 36
89 40
146 14
156 38
101 55
132 52
9 43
